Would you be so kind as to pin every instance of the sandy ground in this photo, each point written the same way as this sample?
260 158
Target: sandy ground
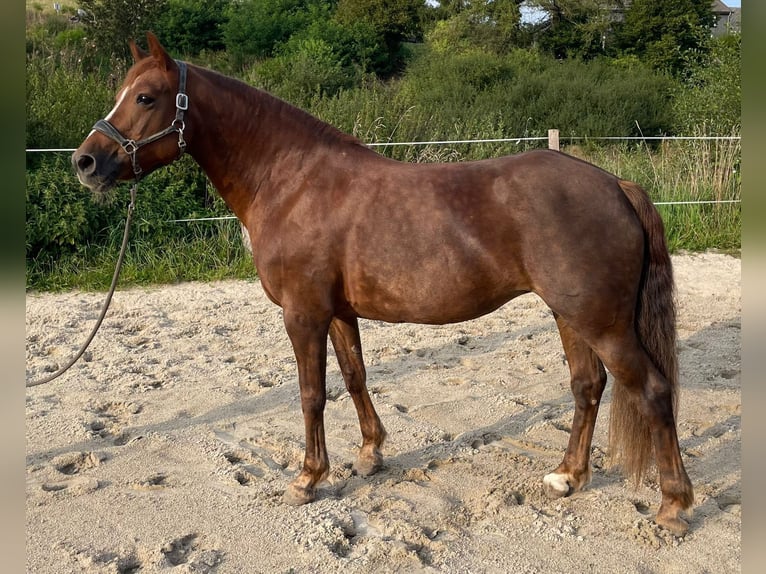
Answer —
167 449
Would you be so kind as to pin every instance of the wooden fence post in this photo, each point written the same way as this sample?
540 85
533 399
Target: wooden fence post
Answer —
553 139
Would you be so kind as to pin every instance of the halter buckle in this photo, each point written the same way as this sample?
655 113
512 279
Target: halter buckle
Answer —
130 147
182 102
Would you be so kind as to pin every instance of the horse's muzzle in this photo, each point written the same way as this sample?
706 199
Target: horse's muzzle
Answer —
93 173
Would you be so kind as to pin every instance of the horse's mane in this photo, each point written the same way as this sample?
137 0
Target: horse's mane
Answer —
276 107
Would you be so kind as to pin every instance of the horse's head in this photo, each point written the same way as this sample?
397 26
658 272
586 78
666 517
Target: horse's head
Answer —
145 129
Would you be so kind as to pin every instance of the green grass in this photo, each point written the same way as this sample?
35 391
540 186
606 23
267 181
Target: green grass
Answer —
197 259
46 7
680 171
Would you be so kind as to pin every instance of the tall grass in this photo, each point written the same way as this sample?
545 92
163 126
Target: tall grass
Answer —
680 171
212 251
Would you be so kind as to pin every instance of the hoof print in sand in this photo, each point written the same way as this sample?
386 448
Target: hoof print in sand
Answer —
111 419
75 486
109 562
189 550
73 463
153 482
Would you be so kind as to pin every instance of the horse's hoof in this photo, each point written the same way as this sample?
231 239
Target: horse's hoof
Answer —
368 461
367 466
298 495
675 524
557 485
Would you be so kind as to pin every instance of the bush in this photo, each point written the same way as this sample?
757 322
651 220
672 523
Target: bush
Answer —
61 215
529 93
309 69
63 100
256 28
188 27
710 101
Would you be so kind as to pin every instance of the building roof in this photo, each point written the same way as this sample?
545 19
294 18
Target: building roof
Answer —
721 8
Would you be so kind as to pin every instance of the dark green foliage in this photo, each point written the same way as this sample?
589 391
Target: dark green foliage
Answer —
668 34
490 25
528 93
577 28
61 214
110 24
393 21
396 19
65 222
64 100
256 28
321 60
188 27
710 100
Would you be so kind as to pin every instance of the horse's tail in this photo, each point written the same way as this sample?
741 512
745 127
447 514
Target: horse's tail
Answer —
630 440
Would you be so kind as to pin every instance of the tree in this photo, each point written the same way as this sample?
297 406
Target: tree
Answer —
396 19
393 20
576 28
487 24
710 98
190 26
256 28
110 24
670 35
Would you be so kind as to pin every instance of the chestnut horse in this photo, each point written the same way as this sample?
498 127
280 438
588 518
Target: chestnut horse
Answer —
340 232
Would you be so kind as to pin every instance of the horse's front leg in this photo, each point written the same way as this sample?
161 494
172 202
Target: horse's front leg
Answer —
344 334
308 335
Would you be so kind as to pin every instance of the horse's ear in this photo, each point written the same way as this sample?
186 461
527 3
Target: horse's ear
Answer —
158 53
138 53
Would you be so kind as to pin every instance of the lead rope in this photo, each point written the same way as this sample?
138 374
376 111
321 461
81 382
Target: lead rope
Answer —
108 300
131 147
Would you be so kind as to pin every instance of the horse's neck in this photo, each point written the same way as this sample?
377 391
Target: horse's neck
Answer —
244 139
225 131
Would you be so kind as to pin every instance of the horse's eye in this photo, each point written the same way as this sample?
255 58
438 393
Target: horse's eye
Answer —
144 100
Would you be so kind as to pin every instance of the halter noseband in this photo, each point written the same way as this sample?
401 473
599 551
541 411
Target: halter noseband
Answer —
131 147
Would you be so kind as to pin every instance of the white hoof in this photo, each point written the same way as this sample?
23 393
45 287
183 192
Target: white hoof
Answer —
557 485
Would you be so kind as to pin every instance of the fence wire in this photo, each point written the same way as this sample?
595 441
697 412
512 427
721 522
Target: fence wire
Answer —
497 140
516 140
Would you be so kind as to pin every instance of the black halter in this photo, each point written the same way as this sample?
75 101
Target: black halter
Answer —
131 147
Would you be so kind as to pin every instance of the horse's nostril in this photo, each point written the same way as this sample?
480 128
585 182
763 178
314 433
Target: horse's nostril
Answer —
85 164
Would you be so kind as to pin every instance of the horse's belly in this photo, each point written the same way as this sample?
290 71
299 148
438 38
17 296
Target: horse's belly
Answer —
436 301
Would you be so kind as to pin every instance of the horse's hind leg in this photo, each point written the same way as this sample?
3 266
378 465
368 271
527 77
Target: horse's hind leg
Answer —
588 379
344 334
642 417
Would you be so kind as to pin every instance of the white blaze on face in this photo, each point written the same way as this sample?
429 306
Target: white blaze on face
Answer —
108 117
117 105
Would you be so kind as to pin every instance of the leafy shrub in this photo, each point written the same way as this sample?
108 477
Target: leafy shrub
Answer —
63 100
188 27
711 99
667 34
524 92
491 26
311 68
61 214
256 28
73 38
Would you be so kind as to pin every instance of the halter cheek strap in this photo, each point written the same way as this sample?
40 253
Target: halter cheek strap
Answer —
131 147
